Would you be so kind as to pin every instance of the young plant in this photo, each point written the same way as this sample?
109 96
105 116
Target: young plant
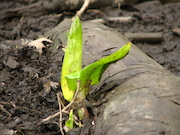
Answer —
72 71
70 122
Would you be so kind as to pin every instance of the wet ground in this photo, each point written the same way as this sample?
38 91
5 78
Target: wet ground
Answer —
25 75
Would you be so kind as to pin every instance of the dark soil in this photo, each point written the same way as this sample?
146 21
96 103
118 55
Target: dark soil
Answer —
25 75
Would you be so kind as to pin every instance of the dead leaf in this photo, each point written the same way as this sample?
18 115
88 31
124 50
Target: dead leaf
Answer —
38 43
49 85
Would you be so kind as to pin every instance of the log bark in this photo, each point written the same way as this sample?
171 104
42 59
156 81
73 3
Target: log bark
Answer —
143 97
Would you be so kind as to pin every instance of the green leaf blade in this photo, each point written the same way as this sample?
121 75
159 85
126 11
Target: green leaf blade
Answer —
96 75
73 58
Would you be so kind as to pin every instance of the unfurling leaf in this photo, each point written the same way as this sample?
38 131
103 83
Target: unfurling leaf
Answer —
93 72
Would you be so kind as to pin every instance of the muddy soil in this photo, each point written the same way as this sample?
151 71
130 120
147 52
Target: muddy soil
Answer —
25 76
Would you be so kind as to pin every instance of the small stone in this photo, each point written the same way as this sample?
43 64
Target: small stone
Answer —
11 62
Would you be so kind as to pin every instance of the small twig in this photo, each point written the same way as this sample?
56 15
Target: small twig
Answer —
177 31
60 114
83 8
119 6
62 102
65 108
145 37
48 75
125 19
15 106
76 121
97 12
4 110
114 19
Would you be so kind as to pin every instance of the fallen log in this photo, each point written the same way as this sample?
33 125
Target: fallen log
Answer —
143 97
43 7
169 1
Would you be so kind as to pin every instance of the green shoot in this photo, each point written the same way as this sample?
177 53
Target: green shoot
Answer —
70 122
90 75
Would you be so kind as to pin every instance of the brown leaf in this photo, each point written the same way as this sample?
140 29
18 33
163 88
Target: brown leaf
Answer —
38 43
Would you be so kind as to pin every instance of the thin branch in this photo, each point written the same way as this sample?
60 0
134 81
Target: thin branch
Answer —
114 19
20 107
61 95
4 110
145 37
97 12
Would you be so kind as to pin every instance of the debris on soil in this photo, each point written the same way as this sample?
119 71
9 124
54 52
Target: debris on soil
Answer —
177 31
11 62
40 44
145 37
